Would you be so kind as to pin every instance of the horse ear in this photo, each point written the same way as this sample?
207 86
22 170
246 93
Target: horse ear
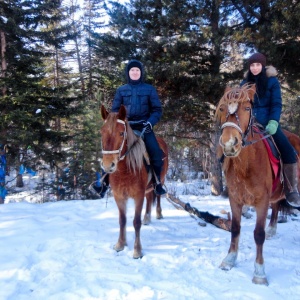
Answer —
251 91
104 112
122 113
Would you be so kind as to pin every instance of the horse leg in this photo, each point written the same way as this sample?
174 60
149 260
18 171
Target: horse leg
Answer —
158 208
229 261
137 223
272 227
122 221
149 201
259 276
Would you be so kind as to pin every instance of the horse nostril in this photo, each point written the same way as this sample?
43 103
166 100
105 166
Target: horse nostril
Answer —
236 141
113 165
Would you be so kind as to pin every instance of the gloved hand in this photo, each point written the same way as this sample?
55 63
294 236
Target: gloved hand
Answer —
147 126
272 126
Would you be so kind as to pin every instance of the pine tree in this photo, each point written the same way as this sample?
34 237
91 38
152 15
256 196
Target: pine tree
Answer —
34 102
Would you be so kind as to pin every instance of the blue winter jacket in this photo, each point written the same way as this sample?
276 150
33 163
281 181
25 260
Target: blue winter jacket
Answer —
140 99
270 106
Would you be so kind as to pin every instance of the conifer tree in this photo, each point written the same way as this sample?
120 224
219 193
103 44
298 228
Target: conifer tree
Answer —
33 101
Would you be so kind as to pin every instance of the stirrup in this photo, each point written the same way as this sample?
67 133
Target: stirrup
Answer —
103 191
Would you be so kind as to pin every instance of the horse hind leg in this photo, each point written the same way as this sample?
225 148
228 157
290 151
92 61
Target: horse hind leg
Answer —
272 227
158 207
149 201
152 199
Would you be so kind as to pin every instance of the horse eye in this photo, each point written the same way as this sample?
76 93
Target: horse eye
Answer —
248 108
122 133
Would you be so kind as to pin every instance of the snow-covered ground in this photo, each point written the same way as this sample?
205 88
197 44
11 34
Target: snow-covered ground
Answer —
64 251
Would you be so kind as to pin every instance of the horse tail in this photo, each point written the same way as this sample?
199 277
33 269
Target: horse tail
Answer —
284 207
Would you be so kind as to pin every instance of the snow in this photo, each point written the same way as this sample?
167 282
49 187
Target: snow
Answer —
63 250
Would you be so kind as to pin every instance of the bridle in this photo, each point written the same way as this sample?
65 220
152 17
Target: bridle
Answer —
119 151
249 129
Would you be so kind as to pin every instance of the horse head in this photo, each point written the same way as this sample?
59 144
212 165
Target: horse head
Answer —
233 115
119 143
113 134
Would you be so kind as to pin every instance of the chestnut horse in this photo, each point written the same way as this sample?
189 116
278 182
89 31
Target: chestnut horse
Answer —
247 170
124 156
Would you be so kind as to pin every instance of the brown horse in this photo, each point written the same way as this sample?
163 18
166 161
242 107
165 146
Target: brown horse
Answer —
248 171
124 156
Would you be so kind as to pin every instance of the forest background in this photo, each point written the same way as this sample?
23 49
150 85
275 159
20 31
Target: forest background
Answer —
60 60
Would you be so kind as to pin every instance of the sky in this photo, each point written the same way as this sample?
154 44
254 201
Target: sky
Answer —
63 250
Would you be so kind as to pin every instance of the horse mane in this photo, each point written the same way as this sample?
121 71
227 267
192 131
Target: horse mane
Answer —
135 146
134 158
237 94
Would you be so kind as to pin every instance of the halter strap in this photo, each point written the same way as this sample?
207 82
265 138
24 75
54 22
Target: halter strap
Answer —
231 124
122 145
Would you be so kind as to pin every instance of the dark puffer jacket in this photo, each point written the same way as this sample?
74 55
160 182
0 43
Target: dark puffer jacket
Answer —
140 99
268 107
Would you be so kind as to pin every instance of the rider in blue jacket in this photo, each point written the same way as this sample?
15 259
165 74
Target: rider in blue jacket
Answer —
144 108
267 109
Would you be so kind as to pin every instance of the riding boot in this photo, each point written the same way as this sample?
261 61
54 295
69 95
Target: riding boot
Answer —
159 190
291 186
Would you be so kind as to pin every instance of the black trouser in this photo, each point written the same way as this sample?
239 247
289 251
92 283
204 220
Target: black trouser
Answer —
287 151
154 151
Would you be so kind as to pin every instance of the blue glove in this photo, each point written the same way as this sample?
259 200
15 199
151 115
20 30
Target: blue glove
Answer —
147 126
272 126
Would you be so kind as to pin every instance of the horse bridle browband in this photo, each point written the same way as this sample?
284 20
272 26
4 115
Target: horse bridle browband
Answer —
119 151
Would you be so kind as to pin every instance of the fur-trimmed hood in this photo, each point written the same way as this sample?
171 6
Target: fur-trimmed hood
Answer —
270 71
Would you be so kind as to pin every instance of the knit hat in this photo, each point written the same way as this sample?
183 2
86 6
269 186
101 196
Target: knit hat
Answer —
257 58
134 64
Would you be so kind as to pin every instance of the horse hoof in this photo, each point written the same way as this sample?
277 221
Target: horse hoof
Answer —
146 221
119 247
229 261
159 216
137 255
225 267
260 280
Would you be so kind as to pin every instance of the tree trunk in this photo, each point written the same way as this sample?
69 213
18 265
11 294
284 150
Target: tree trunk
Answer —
3 59
216 168
204 215
19 181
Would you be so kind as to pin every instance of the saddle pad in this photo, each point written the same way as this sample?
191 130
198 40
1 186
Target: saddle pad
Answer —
274 160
